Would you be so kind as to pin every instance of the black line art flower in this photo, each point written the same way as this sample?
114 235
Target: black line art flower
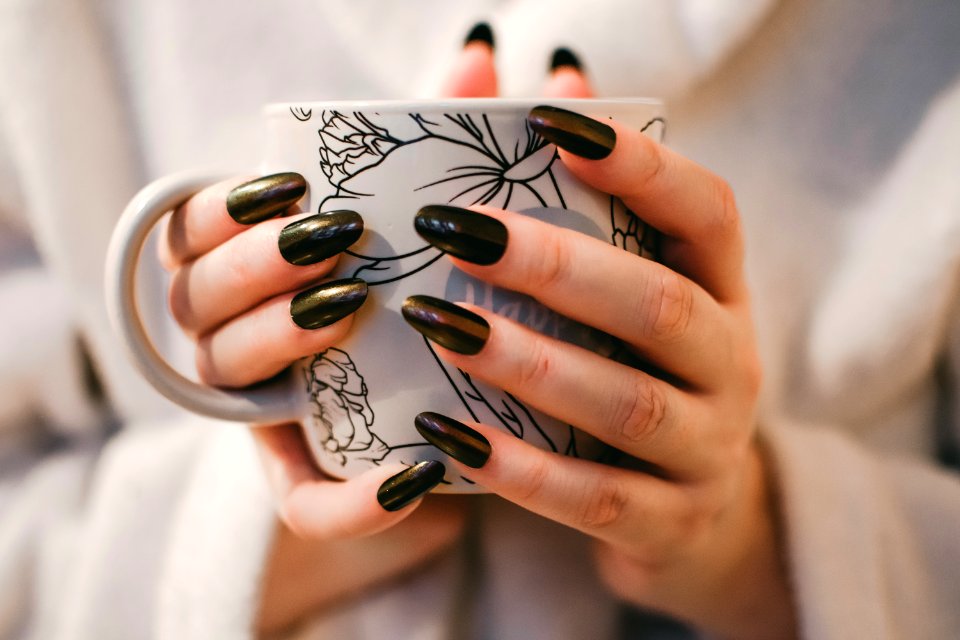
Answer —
342 412
498 164
495 169
492 162
349 143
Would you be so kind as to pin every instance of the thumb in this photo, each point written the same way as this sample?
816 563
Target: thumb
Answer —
316 507
473 74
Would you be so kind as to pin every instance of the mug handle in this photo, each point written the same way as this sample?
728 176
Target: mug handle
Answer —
276 401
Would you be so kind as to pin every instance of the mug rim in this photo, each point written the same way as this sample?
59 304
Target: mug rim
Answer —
478 104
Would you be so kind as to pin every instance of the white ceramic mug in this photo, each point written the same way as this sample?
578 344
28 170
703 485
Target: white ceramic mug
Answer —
357 400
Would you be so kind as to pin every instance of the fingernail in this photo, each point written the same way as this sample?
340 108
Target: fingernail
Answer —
319 237
265 197
481 32
573 132
454 438
462 233
400 490
563 57
323 305
446 324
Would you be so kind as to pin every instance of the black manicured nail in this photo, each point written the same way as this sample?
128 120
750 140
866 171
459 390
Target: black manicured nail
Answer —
573 132
265 197
446 324
323 305
462 233
563 57
319 237
400 490
454 438
481 32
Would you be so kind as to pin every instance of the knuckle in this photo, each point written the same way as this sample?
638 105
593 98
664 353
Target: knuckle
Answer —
654 165
533 478
239 275
603 505
172 247
625 576
533 369
669 308
641 413
752 374
727 220
693 519
207 370
553 262
178 302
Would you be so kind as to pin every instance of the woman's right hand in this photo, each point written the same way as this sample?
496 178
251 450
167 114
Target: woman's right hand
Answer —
249 284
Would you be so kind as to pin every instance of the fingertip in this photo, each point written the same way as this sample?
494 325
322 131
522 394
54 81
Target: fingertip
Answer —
634 159
474 74
567 78
481 33
564 57
341 509
407 487
567 82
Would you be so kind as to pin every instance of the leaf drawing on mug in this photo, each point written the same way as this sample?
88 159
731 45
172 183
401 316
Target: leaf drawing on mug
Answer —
301 114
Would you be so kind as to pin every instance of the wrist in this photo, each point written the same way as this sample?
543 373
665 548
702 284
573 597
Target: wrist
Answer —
751 590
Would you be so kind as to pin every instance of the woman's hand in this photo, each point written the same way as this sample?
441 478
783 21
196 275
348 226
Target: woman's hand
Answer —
247 268
684 523
249 285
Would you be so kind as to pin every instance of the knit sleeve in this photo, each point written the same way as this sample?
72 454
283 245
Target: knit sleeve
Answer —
872 542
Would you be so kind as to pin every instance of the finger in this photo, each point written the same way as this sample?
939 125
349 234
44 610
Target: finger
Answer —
270 258
473 74
669 319
224 210
630 410
316 507
694 208
261 343
567 79
612 504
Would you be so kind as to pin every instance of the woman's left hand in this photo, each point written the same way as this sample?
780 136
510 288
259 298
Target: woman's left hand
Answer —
684 524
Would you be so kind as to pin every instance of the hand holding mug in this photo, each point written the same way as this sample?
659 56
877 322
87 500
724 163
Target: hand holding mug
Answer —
240 252
683 520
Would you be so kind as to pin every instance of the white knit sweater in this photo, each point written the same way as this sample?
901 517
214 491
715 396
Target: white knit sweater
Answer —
838 125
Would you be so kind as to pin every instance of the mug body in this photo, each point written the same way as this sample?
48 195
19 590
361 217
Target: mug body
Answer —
386 160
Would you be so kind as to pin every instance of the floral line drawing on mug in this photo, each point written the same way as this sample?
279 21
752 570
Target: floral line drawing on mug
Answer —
353 144
339 396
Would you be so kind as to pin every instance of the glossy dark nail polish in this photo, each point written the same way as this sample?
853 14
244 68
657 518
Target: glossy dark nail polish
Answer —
446 324
400 490
563 57
454 438
462 233
319 237
481 32
323 305
265 197
573 132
